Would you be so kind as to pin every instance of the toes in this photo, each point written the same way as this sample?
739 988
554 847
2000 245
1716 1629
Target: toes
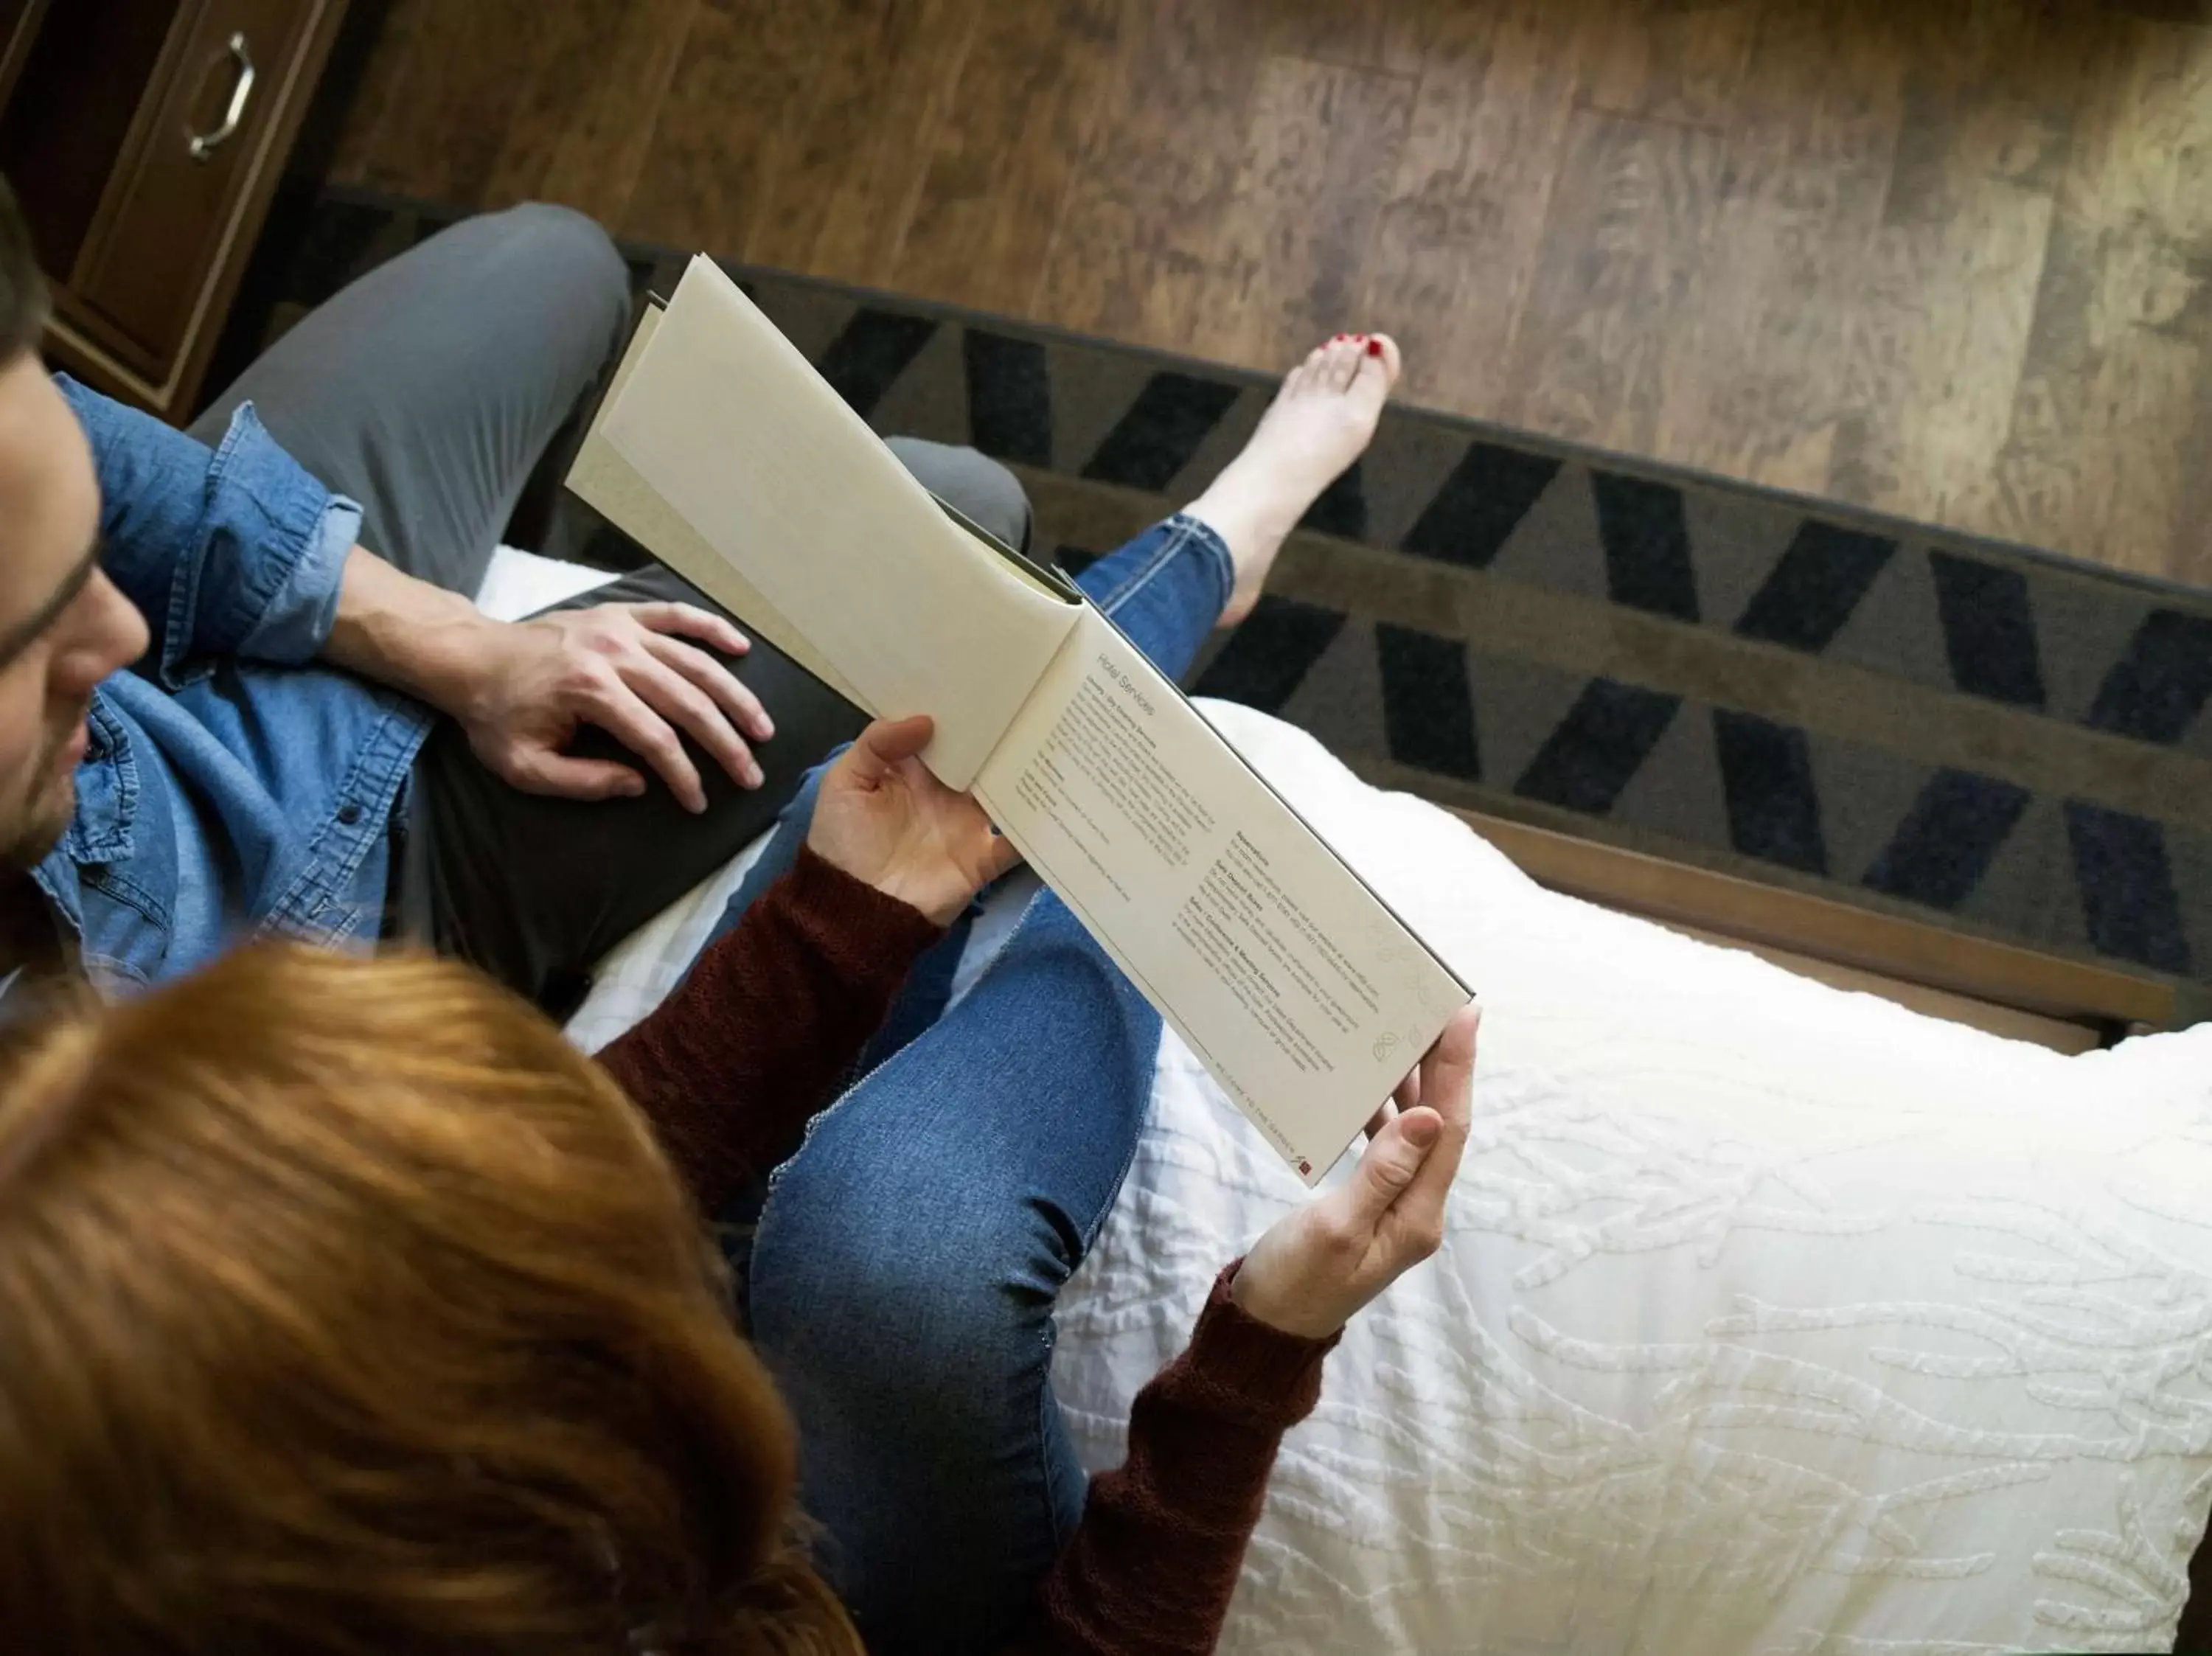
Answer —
1333 365
1341 362
1387 359
1302 377
1376 366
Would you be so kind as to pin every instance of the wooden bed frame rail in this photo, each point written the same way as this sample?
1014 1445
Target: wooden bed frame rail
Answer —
2069 1004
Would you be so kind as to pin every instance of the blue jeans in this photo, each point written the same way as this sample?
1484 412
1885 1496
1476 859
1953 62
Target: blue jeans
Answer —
907 1259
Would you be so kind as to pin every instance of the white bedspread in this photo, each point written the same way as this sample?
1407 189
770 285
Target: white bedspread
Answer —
1771 1319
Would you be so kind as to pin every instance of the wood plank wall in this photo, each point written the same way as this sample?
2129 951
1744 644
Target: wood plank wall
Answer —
1950 259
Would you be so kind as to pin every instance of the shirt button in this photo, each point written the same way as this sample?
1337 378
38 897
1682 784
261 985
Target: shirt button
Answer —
349 812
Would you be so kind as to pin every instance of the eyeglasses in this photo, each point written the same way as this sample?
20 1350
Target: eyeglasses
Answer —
21 636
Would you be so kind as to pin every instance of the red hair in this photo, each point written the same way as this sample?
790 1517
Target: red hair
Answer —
349 1309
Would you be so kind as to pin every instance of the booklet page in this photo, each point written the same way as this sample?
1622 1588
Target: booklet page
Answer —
1305 995
724 419
609 485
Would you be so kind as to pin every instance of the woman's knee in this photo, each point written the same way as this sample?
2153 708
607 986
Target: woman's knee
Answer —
887 1259
933 1217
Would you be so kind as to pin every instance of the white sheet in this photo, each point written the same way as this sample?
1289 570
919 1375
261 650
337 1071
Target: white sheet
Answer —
1771 1319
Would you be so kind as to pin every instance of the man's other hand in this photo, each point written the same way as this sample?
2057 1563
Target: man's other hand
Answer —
625 668
883 818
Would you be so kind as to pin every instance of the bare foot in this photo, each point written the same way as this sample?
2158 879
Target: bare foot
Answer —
1319 423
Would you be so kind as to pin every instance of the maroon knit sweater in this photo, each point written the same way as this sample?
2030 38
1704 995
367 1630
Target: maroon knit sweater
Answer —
729 1069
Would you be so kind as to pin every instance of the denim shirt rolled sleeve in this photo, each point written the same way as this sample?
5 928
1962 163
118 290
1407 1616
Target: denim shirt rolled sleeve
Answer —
234 552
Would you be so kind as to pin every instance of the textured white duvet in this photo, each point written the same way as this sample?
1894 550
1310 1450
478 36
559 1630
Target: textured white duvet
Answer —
1770 1317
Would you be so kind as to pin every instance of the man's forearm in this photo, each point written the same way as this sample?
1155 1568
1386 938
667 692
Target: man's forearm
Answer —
405 633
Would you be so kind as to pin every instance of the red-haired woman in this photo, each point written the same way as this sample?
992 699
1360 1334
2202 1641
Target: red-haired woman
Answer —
347 1309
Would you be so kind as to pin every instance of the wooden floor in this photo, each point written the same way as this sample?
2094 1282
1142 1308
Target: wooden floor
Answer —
1951 259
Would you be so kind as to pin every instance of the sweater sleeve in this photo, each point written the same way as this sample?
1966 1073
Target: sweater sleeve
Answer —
729 1067
1149 1570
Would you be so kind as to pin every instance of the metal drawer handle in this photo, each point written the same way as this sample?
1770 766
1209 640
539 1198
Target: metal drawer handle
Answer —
205 145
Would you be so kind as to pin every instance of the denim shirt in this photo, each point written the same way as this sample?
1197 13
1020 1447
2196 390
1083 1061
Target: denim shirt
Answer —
230 788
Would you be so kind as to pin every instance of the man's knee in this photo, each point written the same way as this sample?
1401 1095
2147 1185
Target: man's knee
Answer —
565 252
972 484
564 241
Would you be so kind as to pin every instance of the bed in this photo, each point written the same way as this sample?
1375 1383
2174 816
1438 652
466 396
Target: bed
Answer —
1774 1315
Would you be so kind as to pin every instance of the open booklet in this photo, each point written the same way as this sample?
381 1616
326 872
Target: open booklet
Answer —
722 452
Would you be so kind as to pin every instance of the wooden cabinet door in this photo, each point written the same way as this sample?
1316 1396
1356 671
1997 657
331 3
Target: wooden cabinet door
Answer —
142 284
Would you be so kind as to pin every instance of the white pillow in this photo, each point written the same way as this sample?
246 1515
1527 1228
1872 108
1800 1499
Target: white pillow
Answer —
1772 1317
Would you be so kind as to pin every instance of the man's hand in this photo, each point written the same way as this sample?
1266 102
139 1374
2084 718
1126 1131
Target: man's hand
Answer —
884 819
625 668
521 689
1318 1265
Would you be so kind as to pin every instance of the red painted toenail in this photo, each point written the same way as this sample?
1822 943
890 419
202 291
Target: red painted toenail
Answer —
1375 348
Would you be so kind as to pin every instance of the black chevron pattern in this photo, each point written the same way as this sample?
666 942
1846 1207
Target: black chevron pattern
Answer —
1738 728
1592 754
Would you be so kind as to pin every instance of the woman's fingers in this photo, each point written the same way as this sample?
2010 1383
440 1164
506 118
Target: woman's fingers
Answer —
881 746
1393 1162
1003 858
1447 1084
1446 1076
1406 1094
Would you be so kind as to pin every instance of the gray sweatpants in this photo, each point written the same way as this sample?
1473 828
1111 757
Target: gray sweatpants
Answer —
426 390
